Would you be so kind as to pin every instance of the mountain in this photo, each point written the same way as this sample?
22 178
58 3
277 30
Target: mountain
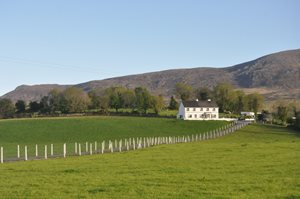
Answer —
275 76
32 93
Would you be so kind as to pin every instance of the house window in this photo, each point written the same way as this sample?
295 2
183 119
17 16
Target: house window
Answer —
187 109
190 116
201 109
214 109
194 109
195 115
207 109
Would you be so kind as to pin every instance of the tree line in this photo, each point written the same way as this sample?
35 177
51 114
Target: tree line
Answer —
224 94
140 101
75 100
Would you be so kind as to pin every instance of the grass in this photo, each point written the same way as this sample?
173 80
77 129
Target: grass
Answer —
164 112
256 162
57 131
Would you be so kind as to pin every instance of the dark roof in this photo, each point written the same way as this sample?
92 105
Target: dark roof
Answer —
199 104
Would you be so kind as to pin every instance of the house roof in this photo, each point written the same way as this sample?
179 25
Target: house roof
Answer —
199 104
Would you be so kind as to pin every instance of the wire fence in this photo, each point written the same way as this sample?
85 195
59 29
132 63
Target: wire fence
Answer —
113 146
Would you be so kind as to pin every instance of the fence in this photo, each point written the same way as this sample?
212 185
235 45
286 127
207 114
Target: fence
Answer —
126 144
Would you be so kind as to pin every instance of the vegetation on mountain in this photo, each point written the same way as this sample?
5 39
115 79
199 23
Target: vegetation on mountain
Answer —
275 76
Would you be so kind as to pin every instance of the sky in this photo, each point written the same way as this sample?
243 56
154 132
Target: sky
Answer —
75 41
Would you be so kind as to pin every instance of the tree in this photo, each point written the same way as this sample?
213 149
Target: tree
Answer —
157 103
56 101
115 97
173 105
297 122
45 105
203 93
20 106
143 99
34 106
255 102
224 96
239 104
95 100
74 100
128 97
7 108
183 91
282 113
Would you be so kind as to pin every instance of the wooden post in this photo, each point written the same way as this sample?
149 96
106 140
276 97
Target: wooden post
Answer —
120 146
91 148
103 146
51 150
79 149
18 148
1 154
26 157
86 147
65 150
133 143
46 152
111 147
36 151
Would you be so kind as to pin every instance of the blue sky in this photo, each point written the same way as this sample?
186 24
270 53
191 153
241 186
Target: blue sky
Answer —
74 41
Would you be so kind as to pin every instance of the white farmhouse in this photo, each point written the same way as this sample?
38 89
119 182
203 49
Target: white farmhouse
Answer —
198 110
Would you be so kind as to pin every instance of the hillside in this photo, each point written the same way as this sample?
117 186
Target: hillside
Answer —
276 76
255 162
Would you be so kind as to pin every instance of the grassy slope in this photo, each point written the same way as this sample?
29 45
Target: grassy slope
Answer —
256 162
81 129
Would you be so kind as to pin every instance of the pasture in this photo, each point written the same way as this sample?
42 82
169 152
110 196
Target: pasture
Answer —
254 162
56 131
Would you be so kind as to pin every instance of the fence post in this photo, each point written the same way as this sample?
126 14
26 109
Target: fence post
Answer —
79 149
120 146
46 152
133 143
18 151
65 150
26 157
111 147
96 148
103 146
91 148
1 154
51 150
36 151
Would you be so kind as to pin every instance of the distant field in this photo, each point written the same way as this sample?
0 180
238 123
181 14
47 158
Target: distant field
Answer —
255 162
57 131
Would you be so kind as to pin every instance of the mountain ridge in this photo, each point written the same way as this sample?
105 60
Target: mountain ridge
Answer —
278 73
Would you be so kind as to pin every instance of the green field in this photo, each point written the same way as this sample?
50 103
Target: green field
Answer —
255 162
90 129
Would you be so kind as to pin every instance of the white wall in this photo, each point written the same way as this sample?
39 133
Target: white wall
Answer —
197 113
